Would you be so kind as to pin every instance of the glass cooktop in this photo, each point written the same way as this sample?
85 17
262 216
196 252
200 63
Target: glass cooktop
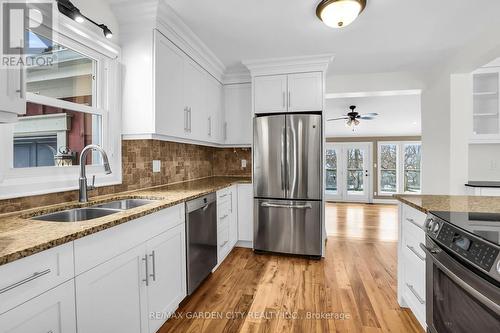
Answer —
483 225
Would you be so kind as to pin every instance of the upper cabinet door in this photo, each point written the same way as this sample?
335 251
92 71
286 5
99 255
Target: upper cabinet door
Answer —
238 114
305 92
270 94
170 118
195 92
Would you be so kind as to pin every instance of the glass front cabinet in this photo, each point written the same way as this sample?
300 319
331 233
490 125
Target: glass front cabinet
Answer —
486 106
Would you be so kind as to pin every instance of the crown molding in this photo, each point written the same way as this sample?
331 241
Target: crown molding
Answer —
236 77
273 66
141 17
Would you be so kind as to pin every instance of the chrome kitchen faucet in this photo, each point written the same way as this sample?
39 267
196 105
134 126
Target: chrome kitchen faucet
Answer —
83 196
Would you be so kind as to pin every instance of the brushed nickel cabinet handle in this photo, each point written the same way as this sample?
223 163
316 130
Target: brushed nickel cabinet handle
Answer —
412 221
145 259
412 249
153 257
414 292
25 280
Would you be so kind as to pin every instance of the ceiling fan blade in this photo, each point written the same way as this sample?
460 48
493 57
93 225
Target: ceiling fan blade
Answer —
366 118
373 114
340 118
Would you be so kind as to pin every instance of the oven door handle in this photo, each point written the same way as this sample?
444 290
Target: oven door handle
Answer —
433 255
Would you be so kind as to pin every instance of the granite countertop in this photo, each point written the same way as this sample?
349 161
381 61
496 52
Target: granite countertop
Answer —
454 203
20 236
492 184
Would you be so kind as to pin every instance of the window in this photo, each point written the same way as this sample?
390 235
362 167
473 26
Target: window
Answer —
331 170
60 113
412 168
388 168
399 161
69 105
355 170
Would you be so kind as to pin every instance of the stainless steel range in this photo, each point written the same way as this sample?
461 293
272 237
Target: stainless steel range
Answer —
288 183
462 272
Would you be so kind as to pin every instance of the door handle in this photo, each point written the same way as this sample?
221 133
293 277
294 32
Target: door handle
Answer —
289 99
153 257
225 130
283 171
270 205
145 259
209 126
414 292
412 249
25 280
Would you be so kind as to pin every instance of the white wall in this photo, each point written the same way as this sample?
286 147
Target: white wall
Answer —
373 82
484 162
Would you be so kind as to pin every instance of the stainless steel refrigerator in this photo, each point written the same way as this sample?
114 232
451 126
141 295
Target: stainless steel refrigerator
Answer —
287 163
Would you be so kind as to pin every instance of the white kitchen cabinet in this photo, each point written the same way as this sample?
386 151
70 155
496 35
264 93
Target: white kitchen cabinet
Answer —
52 311
411 261
305 92
270 94
171 113
29 277
227 221
188 100
288 93
245 214
112 297
167 274
238 114
486 105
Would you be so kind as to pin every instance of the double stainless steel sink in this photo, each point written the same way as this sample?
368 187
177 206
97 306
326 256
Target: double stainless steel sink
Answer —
93 212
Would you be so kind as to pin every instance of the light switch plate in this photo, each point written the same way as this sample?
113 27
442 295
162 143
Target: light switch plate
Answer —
243 164
156 165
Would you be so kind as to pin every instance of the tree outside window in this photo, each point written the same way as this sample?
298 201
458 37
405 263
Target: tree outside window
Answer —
355 170
331 170
388 168
412 158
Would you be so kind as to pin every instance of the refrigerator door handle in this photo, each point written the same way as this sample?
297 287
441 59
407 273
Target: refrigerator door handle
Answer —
270 205
283 157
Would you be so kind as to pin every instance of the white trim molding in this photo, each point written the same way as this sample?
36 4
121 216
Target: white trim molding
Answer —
275 66
385 93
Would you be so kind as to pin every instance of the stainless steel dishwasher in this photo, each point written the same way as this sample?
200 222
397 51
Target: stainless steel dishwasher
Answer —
201 239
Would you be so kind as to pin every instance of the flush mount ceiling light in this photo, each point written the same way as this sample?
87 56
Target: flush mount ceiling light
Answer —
339 13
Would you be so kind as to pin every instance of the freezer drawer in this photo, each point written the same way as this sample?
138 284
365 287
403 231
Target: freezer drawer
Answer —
285 226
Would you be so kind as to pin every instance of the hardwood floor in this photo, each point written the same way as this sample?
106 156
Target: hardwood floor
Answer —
353 289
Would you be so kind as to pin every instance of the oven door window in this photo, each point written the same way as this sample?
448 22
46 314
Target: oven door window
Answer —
455 310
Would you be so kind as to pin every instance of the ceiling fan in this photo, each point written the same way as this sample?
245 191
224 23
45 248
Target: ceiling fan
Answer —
354 116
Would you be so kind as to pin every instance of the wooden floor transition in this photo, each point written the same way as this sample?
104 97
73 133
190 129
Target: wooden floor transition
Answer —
353 289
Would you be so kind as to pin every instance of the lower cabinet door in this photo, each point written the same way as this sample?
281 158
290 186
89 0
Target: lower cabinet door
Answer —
167 275
112 296
51 312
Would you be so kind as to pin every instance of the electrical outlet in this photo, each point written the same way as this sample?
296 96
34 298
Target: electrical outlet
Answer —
156 166
243 164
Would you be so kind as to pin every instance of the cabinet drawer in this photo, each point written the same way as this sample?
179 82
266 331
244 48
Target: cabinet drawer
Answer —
413 217
414 291
53 311
95 249
26 278
224 194
411 243
223 209
223 243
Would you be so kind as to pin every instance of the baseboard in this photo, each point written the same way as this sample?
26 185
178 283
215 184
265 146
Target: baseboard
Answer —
245 244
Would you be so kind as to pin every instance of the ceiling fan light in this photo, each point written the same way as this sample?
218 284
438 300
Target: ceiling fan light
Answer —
348 123
356 122
339 13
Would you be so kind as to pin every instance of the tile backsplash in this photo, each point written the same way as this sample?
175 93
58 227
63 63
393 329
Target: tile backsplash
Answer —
178 162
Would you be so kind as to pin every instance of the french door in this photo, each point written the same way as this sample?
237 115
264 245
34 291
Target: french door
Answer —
348 172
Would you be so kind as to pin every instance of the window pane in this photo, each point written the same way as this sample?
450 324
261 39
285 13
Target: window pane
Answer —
70 78
46 131
355 170
412 168
388 168
331 170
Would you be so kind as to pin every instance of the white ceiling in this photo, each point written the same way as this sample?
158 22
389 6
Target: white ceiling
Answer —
390 35
398 116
